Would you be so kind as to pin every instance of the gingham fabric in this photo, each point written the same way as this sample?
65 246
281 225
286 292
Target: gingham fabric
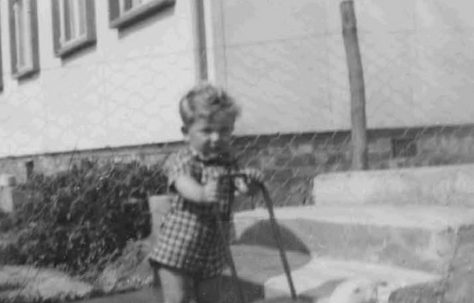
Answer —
188 238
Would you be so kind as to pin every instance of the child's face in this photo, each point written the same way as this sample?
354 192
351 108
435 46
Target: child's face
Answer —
210 137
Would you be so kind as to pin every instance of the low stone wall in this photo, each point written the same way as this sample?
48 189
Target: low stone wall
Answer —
290 161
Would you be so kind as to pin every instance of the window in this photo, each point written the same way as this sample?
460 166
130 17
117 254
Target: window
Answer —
124 12
73 25
128 5
24 37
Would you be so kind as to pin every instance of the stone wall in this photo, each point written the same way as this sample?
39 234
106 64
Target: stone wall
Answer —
289 161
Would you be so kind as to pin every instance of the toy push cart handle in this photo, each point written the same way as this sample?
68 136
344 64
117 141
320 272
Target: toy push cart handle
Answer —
276 234
230 260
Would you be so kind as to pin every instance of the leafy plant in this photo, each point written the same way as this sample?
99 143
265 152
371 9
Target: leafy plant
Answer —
84 216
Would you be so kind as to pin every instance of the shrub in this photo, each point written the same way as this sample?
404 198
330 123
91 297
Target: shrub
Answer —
85 216
6 221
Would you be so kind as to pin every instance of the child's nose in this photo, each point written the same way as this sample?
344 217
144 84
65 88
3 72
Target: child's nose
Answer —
215 137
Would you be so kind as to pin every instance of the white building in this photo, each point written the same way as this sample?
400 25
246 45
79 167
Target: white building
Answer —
87 75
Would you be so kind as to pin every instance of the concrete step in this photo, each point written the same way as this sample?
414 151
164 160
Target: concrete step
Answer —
261 276
423 238
438 185
321 277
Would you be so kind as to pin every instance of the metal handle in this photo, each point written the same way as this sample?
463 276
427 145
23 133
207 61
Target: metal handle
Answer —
276 234
230 259
223 236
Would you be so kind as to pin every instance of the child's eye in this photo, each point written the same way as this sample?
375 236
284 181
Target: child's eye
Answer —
226 130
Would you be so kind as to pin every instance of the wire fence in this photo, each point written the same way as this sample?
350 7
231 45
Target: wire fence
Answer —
295 125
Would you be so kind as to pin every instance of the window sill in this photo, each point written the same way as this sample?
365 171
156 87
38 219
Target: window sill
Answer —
25 72
135 14
74 46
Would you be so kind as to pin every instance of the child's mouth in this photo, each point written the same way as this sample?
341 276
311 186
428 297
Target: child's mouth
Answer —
216 149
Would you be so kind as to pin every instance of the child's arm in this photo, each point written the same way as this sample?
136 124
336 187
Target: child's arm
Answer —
191 190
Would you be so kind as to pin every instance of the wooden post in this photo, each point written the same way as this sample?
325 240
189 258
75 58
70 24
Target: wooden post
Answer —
356 82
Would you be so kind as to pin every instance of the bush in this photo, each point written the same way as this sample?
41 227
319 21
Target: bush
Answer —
85 216
6 221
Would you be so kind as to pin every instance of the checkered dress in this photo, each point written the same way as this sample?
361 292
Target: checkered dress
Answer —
188 239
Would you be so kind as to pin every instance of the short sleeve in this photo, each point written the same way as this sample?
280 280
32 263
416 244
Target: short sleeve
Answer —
175 166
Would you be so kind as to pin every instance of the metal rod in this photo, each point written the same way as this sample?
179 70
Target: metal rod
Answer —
276 234
230 259
225 240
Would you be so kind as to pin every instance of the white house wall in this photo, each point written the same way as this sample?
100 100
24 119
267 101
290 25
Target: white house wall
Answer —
285 61
123 91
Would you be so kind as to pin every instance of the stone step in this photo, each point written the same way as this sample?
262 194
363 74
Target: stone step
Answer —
436 185
261 277
417 237
320 278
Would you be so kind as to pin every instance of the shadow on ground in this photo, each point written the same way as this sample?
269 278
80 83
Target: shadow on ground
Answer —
261 234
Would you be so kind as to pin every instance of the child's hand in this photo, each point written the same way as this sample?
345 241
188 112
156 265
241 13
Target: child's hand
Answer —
211 192
251 183
254 175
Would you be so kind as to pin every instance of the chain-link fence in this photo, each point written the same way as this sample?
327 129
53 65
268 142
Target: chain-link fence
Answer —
293 87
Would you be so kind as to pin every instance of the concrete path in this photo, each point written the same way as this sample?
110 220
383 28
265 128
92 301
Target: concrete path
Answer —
255 264
146 295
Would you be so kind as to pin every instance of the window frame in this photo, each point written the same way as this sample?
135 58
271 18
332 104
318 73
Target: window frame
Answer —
1 61
120 20
62 49
33 66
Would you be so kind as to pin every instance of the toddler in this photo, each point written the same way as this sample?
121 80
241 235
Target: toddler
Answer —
190 253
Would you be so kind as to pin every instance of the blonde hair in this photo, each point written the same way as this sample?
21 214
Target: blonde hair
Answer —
204 101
